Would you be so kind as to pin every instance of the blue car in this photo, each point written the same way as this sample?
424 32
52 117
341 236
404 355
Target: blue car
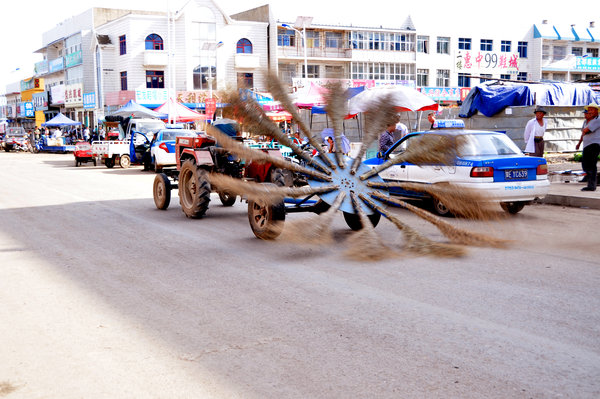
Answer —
162 149
489 162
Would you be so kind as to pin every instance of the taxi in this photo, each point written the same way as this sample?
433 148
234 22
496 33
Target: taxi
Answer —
487 161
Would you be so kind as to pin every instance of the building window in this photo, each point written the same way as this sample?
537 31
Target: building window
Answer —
576 77
122 45
244 46
286 38
464 43
155 79
464 80
443 78
577 51
422 77
203 75
333 39
312 39
124 81
443 45
484 77
313 71
486 45
522 49
592 52
154 42
522 76
545 52
505 76
287 72
358 40
505 46
334 72
245 80
423 44
400 41
559 52
381 70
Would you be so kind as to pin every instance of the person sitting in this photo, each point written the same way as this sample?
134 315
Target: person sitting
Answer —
387 139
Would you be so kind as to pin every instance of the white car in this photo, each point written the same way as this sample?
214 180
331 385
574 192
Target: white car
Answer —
162 149
486 161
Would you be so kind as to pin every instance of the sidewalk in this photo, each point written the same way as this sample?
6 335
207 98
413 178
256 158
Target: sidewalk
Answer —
565 188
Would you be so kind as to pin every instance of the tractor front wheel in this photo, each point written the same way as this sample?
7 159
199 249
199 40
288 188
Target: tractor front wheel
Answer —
266 220
194 190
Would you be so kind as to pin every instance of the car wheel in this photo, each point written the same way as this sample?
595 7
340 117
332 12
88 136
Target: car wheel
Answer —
162 191
513 207
125 161
439 208
109 162
157 167
353 220
266 220
227 199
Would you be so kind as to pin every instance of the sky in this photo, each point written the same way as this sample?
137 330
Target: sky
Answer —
22 23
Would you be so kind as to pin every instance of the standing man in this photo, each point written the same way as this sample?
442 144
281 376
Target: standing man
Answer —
590 136
86 133
387 139
534 133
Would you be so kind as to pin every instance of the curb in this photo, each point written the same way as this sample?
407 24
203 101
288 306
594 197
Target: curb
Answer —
571 201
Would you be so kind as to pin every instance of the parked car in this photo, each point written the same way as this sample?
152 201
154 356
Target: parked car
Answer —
489 162
162 149
15 138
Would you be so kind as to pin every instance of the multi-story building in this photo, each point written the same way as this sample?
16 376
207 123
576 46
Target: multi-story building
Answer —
97 61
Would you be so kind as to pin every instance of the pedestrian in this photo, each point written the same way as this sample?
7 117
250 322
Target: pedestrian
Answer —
86 133
534 133
590 136
401 129
387 139
431 119
330 144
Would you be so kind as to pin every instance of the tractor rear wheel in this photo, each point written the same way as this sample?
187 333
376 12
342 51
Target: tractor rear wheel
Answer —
162 191
353 220
266 220
194 190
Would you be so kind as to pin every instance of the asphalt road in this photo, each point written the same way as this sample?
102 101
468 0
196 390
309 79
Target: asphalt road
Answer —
104 296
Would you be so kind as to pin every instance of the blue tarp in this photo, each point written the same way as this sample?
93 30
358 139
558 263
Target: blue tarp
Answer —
493 97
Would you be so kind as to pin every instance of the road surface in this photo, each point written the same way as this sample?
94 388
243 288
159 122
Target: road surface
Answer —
104 296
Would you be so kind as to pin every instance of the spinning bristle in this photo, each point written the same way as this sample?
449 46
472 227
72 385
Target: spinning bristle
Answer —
380 115
264 193
454 234
365 244
415 242
337 109
314 229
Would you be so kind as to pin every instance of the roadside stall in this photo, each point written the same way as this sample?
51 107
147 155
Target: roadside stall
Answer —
54 143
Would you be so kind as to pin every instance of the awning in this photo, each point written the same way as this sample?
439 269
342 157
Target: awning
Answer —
565 33
581 34
545 31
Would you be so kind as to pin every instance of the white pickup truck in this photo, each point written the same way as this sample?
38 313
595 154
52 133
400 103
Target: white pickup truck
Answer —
112 152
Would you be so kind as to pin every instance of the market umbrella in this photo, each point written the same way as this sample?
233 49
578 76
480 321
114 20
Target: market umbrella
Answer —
134 109
61 120
180 113
404 98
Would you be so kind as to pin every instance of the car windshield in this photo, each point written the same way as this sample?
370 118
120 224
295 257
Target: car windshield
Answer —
473 145
172 134
487 144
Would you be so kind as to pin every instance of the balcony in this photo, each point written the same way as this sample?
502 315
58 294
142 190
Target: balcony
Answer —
156 58
313 52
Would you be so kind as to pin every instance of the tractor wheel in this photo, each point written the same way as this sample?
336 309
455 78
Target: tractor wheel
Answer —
194 190
76 162
353 220
226 198
513 207
266 220
109 162
125 161
162 191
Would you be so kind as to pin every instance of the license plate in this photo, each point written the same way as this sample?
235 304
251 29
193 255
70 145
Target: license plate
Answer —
515 174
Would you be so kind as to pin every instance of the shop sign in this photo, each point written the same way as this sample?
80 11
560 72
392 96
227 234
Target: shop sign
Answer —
26 109
151 96
74 94
587 63
89 100
41 68
40 101
56 65
442 93
485 62
73 59
58 94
